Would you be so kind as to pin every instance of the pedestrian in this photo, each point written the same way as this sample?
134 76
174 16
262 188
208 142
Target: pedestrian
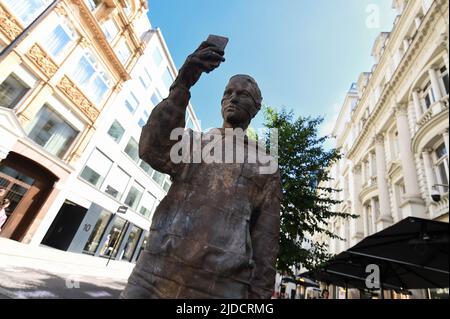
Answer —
325 294
4 204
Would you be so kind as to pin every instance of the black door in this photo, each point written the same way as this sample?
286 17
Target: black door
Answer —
64 227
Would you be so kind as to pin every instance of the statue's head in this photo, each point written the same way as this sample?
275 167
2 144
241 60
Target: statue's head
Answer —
241 101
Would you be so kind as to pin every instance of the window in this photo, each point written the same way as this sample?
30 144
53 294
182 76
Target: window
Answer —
157 57
441 166
132 241
134 196
428 96
123 52
144 118
444 77
58 40
145 79
96 169
110 30
97 233
116 131
147 168
158 178
131 102
93 4
117 182
27 10
147 205
12 90
114 238
52 132
132 149
167 78
166 186
88 75
156 98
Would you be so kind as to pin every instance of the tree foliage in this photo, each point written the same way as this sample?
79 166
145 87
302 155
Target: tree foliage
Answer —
307 205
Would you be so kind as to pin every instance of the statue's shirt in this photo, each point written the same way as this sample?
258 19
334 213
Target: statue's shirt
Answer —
215 234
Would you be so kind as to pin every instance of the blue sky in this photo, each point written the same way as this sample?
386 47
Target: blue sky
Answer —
304 54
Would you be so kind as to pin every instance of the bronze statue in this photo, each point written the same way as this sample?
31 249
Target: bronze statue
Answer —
215 234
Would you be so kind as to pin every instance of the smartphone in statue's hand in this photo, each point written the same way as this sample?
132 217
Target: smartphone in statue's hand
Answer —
220 42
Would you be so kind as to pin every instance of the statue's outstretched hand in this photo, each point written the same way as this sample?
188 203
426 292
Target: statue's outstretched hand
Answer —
205 59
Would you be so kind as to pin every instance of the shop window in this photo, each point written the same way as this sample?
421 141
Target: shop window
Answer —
97 233
114 238
132 242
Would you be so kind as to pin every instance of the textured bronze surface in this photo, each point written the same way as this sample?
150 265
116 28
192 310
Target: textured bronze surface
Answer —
215 234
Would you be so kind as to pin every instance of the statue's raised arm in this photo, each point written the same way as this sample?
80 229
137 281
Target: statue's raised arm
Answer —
155 143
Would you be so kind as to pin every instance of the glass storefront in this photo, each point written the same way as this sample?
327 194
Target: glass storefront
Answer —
133 240
97 234
114 238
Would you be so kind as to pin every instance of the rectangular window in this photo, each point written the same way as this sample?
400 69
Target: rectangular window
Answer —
144 118
147 168
27 10
116 131
116 182
131 102
145 79
158 178
134 196
93 4
123 52
132 149
96 235
147 205
167 78
12 90
114 238
132 241
87 74
110 30
58 39
52 132
96 169
157 57
444 76
156 98
166 186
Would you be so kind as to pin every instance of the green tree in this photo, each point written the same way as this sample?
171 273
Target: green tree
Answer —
307 205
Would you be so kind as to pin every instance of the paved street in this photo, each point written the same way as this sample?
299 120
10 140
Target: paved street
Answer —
40 272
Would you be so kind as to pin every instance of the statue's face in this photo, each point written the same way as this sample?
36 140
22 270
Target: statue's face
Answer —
238 105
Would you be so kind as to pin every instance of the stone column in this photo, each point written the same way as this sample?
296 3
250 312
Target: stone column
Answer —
371 167
356 225
417 104
366 220
412 203
385 218
363 173
429 172
435 84
374 214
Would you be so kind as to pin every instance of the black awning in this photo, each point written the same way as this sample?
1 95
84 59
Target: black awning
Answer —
412 254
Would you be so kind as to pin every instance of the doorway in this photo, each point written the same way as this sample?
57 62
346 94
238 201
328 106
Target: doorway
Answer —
64 227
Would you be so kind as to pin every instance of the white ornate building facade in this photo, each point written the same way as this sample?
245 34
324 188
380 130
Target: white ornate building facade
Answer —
393 128
78 80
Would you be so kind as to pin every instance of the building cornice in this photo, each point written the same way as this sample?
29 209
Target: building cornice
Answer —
100 38
388 91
